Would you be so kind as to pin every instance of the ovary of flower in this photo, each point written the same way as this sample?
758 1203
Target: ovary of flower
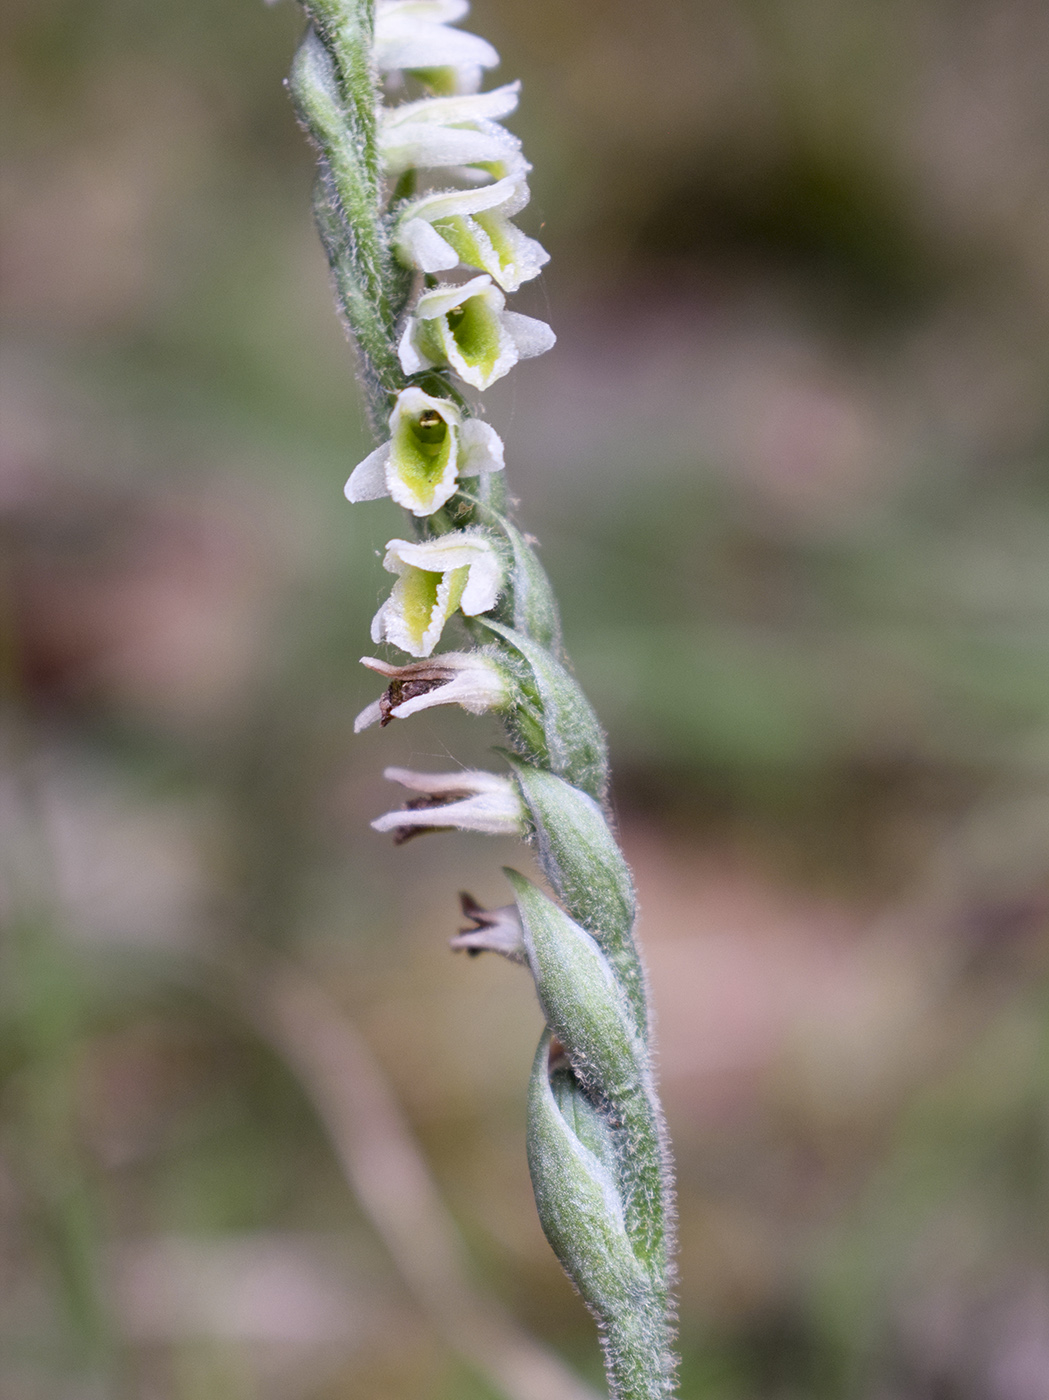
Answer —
471 228
435 577
470 801
467 678
412 35
431 448
462 132
468 328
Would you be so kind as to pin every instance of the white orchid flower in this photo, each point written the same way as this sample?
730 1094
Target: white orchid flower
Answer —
494 931
471 228
412 35
431 448
471 679
470 801
435 577
462 132
468 328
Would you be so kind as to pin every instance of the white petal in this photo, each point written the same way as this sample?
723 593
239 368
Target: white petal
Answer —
446 552
411 361
531 337
423 145
467 678
368 479
510 194
401 42
420 245
478 802
437 11
468 691
482 446
469 780
372 714
440 300
378 628
493 816
460 110
415 401
482 585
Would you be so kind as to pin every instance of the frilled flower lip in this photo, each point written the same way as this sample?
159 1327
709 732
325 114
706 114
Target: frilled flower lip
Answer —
467 801
423 475
471 679
467 327
435 577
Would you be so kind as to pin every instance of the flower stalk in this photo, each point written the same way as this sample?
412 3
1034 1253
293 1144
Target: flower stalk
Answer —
430 184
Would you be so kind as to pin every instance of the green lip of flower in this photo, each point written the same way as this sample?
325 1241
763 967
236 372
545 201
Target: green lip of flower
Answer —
430 449
467 328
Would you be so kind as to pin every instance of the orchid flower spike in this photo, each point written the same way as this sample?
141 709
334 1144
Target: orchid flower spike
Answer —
462 132
458 570
431 448
470 801
467 328
471 228
471 679
412 35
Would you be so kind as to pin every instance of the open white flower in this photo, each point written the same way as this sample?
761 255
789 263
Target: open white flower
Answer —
431 448
459 570
462 132
468 328
470 801
471 679
412 35
472 228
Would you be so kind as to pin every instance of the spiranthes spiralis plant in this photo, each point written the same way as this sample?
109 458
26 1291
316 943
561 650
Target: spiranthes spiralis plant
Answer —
415 200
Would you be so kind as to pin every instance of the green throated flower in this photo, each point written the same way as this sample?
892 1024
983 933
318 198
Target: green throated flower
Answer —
461 570
462 132
431 448
468 328
471 228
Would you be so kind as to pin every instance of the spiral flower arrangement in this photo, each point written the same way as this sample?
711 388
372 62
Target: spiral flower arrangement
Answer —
407 195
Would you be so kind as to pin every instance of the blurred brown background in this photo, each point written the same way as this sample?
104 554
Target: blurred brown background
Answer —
788 464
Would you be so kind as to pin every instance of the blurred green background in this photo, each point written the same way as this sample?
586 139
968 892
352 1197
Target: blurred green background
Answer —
788 463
